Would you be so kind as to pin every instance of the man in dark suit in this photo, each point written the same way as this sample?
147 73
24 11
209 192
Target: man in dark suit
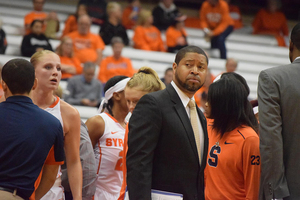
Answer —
162 150
279 114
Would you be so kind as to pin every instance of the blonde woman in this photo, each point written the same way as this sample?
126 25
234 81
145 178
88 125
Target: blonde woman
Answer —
146 36
48 72
70 65
143 82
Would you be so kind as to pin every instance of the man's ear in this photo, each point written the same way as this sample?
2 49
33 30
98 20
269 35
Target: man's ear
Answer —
174 67
35 84
4 86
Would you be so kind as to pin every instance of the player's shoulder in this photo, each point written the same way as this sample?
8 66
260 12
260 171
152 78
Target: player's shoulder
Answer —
68 110
246 132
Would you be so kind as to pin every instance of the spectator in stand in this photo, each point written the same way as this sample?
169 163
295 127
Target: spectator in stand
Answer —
87 46
115 65
38 14
217 24
204 89
272 22
176 35
35 41
235 15
96 9
146 36
130 14
70 65
164 14
231 66
167 79
3 41
71 23
84 89
113 27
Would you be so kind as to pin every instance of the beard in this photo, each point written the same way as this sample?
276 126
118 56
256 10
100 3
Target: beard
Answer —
193 87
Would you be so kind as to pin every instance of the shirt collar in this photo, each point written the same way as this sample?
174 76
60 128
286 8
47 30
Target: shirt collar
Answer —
183 97
19 98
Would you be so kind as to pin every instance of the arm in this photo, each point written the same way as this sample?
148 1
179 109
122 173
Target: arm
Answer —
89 170
68 25
95 126
105 34
48 178
202 14
271 144
68 69
102 72
251 167
225 20
144 130
72 142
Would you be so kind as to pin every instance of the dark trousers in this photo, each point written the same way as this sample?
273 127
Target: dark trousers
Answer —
218 42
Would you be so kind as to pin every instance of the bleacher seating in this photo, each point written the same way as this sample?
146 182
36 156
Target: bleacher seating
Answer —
253 52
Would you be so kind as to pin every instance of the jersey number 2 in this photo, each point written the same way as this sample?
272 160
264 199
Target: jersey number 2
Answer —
213 156
119 162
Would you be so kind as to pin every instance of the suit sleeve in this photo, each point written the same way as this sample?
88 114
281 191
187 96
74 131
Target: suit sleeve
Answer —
144 130
273 182
251 167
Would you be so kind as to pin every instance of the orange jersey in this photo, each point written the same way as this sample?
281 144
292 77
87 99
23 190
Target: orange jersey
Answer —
75 62
236 16
70 25
111 67
124 168
126 21
148 38
86 46
172 35
270 23
30 17
216 18
50 160
233 164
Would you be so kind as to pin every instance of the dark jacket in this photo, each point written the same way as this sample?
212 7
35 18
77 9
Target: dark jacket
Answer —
32 41
108 31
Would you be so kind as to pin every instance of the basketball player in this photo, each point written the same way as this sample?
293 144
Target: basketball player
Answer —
107 131
143 82
48 72
233 161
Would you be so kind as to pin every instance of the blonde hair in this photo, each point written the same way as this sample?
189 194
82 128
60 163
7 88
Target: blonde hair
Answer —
146 80
111 6
143 16
37 56
59 50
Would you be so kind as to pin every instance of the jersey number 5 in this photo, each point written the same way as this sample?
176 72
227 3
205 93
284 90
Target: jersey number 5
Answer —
119 162
213 156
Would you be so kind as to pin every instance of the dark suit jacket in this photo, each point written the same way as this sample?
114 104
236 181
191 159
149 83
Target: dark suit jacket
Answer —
279 116
162 151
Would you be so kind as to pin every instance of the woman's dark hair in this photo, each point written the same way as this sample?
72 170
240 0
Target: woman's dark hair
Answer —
229 105
239 78
35 21
110 83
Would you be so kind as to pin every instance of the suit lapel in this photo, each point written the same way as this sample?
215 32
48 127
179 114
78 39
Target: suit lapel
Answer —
181 112
204 128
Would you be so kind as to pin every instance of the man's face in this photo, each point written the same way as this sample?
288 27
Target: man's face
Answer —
117 49
231 65
168 76
37 28
190 73
84 25
38 5
89 74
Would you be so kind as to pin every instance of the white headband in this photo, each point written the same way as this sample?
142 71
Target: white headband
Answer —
120 86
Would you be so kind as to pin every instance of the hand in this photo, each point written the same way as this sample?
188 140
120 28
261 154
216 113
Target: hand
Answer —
93 103
85 102
52 15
